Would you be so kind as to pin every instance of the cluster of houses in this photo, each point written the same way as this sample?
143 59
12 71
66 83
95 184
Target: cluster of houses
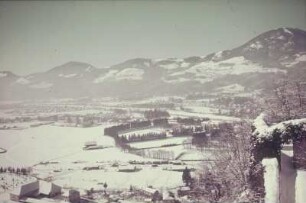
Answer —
44 192
38 190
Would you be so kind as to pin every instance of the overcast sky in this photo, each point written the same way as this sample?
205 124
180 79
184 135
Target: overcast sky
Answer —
38 35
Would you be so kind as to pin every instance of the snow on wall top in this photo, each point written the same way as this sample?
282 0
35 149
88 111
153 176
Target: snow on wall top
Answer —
260 125
263 131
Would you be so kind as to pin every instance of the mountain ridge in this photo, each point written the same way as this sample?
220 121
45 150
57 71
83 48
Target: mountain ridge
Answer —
265 58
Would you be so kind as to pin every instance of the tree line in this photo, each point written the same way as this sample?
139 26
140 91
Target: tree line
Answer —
153 114
142 137
114 130
21 171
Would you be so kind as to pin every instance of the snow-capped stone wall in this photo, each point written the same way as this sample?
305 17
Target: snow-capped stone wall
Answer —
267 141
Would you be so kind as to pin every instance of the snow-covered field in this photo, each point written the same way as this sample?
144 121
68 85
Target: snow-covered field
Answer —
159 143
200 109
176 113
10 181
235 88
155 177
33 145
57 153
197 155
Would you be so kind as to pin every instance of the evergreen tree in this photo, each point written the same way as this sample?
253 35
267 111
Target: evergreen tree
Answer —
187 176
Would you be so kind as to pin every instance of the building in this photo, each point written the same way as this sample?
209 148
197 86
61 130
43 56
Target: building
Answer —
49 189
74 196
36 189
151 193
90 144
27 190
129 169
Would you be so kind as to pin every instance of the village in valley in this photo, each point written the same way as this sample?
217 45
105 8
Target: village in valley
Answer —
109 152
132 151
153 101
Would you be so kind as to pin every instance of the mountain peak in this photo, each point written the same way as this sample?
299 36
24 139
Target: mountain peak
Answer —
7 74
268 48
73 67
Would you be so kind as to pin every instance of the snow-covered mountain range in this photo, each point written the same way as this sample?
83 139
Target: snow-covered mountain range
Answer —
252 66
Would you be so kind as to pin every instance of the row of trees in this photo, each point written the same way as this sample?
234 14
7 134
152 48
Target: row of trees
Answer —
142 137
191 121
154 114
21 171
156 154
187 131
114 130
140 124
16 120
161 122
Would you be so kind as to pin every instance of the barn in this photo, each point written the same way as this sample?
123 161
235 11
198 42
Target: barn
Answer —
90 144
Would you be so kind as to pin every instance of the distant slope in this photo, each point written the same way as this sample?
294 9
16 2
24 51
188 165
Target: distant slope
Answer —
252 66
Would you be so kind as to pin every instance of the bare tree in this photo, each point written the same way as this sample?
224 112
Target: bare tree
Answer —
225 178
286 102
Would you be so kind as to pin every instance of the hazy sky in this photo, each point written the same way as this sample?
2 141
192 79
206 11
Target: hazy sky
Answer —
38 35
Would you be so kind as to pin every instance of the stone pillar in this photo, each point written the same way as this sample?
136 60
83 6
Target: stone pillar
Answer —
299 152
